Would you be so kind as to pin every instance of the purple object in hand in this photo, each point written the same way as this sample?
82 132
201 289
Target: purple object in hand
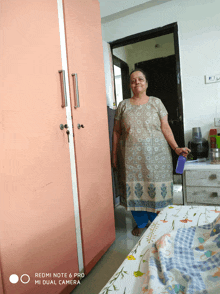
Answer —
180 164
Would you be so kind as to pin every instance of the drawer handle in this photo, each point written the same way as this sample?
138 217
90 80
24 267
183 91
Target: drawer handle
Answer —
213 177
214 194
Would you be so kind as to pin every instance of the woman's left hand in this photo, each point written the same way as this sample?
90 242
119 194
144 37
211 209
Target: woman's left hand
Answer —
182 151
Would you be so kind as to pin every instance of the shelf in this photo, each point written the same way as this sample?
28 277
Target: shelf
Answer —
190 165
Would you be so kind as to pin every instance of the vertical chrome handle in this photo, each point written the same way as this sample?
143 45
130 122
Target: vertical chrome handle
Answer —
75 85
63 88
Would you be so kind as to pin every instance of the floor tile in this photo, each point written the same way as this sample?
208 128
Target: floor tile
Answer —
124 243
113 258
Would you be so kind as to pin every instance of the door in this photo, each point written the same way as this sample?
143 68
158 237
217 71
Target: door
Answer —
37 225
90 126
163 84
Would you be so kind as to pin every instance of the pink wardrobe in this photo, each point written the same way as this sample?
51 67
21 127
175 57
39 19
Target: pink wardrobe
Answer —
56 202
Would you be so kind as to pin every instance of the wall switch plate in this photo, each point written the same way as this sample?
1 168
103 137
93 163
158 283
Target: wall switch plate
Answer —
217 122
217 78
212 78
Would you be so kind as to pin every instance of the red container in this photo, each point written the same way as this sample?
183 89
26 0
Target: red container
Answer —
213 139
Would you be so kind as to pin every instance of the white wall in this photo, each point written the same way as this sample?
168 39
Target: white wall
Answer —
199 43
146 50
120 53
109 78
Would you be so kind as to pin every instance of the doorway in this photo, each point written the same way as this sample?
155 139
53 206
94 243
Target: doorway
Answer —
121 74
162 72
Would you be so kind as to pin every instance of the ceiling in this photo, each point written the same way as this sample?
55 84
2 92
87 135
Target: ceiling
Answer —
114 9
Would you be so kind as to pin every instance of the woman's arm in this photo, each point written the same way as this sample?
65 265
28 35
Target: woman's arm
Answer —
168 134
115 142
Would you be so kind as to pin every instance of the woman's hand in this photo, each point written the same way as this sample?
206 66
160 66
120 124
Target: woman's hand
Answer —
182 151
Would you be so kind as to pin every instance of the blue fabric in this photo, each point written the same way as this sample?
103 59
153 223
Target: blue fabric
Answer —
142 217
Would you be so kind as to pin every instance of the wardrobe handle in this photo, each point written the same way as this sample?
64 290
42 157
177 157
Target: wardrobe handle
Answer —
75 86
63 88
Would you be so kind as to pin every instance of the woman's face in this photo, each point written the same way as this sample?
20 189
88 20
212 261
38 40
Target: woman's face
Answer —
138 82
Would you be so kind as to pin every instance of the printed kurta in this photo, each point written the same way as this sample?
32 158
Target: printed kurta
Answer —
145 161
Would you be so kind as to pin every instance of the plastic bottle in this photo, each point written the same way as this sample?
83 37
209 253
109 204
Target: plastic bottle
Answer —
213 135
180 164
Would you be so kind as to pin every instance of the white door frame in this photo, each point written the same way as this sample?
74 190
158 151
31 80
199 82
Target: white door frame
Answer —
71 143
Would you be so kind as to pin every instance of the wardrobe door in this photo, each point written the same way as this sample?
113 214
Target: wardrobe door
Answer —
91 138
37 227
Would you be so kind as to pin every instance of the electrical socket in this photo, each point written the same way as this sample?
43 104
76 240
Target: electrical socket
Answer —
212 79
217 78
217 122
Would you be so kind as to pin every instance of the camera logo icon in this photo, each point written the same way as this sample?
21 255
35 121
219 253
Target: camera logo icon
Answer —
15 278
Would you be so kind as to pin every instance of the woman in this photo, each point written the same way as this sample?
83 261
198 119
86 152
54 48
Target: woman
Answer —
142 132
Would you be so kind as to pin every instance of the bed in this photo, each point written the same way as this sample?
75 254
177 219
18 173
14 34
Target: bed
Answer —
178 253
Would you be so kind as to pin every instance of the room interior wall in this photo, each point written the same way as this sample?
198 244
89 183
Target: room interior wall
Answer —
162 46
121 53
109 75
199 45
158 47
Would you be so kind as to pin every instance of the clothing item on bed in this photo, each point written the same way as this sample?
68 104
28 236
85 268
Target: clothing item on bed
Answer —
178 253
185 261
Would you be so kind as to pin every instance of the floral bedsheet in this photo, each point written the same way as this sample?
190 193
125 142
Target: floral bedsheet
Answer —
178 253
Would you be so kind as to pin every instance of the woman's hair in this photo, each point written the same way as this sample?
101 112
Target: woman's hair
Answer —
141 70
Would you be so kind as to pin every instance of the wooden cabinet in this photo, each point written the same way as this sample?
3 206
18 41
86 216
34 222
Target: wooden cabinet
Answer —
55 189
201 185
85 58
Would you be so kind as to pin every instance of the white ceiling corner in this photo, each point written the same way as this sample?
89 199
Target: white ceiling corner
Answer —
109 7
113 9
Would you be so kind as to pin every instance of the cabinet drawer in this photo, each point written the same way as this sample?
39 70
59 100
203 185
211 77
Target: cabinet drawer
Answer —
206 195
206 178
